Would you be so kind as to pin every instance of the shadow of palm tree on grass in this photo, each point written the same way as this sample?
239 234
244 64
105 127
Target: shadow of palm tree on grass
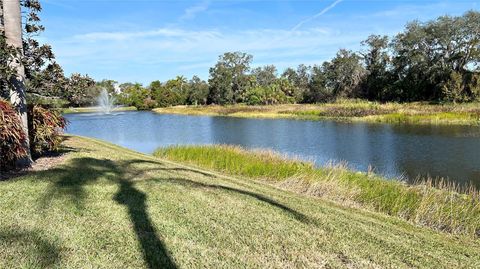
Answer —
71 180
195 184
154 251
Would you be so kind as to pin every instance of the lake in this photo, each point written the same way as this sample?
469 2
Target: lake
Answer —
396 151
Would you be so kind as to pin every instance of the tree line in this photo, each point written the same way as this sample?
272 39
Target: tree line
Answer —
436 61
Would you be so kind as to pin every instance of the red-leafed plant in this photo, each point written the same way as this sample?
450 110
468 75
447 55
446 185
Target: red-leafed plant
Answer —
12 136
45 128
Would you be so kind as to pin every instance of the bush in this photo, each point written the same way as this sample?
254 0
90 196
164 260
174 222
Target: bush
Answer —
148 103
270 95
45 127
137 96
452 89
166 97
12 137
50 102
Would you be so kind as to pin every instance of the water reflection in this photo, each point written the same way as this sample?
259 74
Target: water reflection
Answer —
392 150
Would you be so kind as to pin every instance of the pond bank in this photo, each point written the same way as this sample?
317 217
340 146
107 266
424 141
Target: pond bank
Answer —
437 205
95 109
352 111
109 207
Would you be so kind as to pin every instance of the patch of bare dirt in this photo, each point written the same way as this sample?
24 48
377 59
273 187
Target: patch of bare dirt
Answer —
43 163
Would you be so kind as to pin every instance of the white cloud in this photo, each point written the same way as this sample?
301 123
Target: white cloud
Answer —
191 12
170 51
410 10
325 10
148 44
161 32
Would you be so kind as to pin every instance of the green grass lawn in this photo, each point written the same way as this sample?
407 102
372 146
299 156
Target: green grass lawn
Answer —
350 110
108 207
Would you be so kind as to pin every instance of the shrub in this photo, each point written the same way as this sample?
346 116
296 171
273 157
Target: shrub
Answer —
50 102
45 127
453 88
254 96
166 97
137 96
12 137
148 103
270 95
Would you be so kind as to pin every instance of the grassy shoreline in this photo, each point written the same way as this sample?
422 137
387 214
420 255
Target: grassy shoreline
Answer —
443 207
108 207
71 110
346 110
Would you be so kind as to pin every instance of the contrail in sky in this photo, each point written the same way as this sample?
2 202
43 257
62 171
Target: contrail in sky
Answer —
325 10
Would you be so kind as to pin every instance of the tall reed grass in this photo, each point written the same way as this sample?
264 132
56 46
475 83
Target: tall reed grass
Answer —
438 205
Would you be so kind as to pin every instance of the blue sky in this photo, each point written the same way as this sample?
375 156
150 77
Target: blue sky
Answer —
146 40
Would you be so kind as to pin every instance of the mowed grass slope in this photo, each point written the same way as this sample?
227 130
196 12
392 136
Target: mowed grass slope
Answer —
108 207
438 205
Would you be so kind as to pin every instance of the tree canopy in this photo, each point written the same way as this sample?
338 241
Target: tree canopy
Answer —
437 60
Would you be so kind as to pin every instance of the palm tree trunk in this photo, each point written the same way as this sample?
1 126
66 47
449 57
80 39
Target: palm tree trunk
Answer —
12 19
3 84
1 19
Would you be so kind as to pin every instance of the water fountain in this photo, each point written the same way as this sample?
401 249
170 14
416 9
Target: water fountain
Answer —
105 102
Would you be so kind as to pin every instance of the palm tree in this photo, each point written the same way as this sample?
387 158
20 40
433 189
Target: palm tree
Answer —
12 19
1 19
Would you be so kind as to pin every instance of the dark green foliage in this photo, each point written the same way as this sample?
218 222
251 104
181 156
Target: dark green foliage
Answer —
461 88
266 75
45 129
12 136
168 94
452 89
228 78
344 74
138 96
290 91
376 60
49 82
44 77
300 80
317 91
272 94
36 56
472 84
197 91
81 90
46 101
430 59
